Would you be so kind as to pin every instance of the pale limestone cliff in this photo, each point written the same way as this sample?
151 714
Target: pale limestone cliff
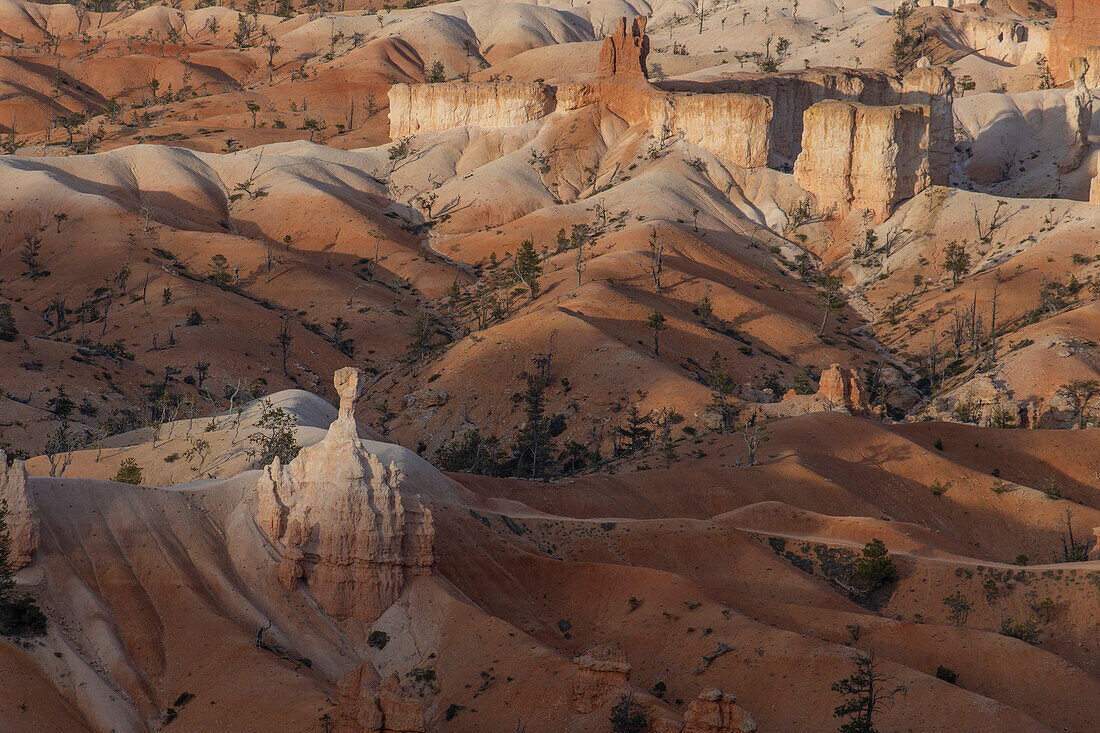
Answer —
792 93
22 516
1094 552
1078 117
624 51
367 704
734 127
856 157
934 87
422 107
601 673
339 522
717 712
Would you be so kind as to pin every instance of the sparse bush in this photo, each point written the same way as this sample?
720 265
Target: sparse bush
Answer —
378 639
276 439
628 715
947 674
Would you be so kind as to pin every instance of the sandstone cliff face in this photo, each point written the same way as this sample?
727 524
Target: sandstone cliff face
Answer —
624 52
934 86
735 127
1078 118
367 704
422 107
792 93
856 157
22 516
717 712
339 522
601 673
1076 27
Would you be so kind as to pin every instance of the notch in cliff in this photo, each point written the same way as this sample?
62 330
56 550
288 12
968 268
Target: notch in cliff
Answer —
339 522
624 52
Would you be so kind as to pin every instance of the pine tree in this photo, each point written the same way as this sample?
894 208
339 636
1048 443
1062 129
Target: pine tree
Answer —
527 267
532 448
864 695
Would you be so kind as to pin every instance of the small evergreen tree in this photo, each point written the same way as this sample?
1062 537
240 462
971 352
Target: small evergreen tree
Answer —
129 472
533 445
8 329
276 438
864 695
636 433
874 568
527 267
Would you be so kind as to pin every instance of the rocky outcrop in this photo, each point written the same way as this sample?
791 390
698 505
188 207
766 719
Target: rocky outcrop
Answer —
1094 553
339 522
22 519
842 388
715 711
732 126
624 52
1078 117
792 93
423 107
862 158
934 87
1076 27
601 673
367 704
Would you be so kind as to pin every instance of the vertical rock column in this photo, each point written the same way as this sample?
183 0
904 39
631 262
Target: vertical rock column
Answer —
339 522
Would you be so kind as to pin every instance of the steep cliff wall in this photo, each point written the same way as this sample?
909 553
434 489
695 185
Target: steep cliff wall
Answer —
421 107
863 158
735 127
340 523
792 93
1076 27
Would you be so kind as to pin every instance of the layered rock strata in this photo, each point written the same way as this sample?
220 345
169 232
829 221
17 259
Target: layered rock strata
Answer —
856 157
418 108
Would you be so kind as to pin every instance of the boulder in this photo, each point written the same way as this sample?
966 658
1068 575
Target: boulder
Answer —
339 522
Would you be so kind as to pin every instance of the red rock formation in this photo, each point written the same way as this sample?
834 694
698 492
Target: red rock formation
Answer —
22 514
367 704
624 52
717 712
842 388
601 673
340 524
1076 28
